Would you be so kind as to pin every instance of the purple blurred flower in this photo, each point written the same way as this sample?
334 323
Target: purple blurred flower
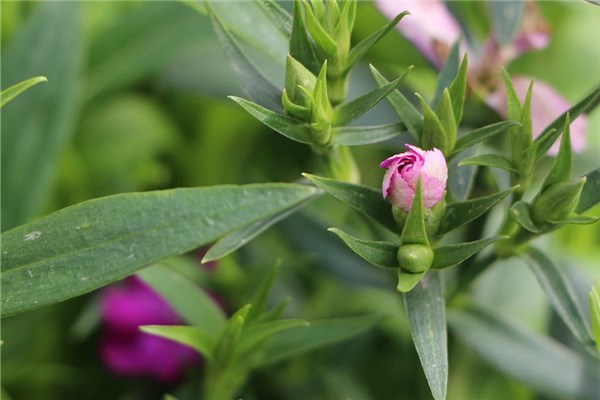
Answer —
128 351
403 172
433 30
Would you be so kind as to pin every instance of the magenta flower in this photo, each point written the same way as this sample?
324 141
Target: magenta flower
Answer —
128 351
433 30
403 172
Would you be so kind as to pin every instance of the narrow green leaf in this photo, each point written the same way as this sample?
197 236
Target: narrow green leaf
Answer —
433 134
358 51
192 303
595 312
86 246
547 138
257 334
15 90
261 296
279 16
348 112
414 231
226 345
258 87
536 360
406 111
367 200
458 214
448 73
288 127
521 213
590 194
361 135
301 47
489 160
447 256
424 306
188 335
381 254
408 280
320 333
578 220
563 163
37 127
320 36
457 90
562 297
481 134
236 239
445 113
506 19
513 104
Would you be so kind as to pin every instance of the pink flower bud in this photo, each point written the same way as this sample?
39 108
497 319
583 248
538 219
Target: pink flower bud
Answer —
403 171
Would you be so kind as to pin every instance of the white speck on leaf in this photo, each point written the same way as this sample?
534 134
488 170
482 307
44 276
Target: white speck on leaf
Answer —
30 273
33 235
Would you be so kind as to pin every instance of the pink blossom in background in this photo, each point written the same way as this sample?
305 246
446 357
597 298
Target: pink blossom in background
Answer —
403 172
433 30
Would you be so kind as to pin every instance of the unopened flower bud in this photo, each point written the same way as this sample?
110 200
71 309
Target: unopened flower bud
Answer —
557 202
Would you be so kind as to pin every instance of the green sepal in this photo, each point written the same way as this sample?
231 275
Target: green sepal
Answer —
361 135
415 258
15 90
522 138
458 214
380 254
294 110
322 113
406 111
520 212
445 114
448 256
323 40
296 75
230 336
348 112
433 134
457 90
288 127
358 51
184 334
489 160
367 200
513 105
301 47
563 163
557 202
479 135
407 280
414 231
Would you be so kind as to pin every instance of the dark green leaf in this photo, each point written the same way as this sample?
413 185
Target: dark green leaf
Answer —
408 280
348 112
89 245
318 334
232 333
414 231
362 47
258 87
15 90
361 135
458 214
280 17
407 112
489 160
288 127
590 194
506 19
448 73
548 137
561 296
188 335
37 126
367 200
533 359
481 134
301 47
453 254
257 334
426 313
192 303
261 296
457 90
381 254
521 213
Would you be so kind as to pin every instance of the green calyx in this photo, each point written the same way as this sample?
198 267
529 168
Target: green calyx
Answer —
557 202
415 258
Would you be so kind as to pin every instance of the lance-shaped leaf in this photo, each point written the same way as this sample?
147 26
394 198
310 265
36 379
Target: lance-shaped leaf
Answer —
256 335
521 213
590 194
426 313
406 111
457 90
279 16
348 112
458 214
563 163
381 254
489 160
86 246
522 138
15 90
367 200
288 127
361 135
258 87
480 135
225 347
445 113
448 73
433 134
447 256
414 231
188 335
261 296
562 297
361 48
301 47
408 280
513 104
551 133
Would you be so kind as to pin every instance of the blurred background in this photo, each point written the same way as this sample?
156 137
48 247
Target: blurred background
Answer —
136 100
